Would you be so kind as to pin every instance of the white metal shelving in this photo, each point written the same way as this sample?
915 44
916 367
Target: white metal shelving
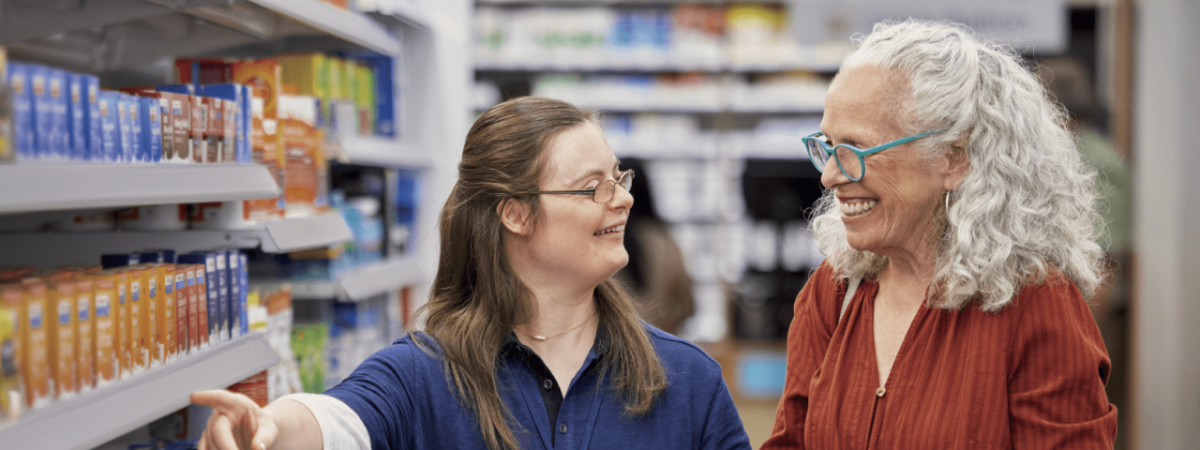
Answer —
93 418
378 151
31 188
486 64
360 283
54 249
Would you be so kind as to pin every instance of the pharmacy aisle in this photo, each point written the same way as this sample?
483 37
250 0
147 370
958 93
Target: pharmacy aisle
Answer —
208 194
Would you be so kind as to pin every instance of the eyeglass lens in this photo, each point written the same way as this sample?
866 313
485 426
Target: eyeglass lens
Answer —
605 191
846 159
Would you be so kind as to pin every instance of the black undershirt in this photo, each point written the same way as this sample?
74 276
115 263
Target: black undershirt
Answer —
548 386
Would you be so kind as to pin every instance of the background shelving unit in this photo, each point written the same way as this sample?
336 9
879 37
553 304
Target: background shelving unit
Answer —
360 283
133 42
95 417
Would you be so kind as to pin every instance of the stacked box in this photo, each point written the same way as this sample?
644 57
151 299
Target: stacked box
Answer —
385 99
24 137
58 140
77 116
206 282
151 136
85 350
197 120
183 295
92 127
110 133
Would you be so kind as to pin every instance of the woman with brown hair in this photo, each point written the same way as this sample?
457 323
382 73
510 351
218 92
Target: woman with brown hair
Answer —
528 342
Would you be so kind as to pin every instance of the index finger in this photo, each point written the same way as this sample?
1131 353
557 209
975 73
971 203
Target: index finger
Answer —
220 399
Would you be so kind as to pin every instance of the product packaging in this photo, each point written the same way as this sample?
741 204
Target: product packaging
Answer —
301 181
197 123
245 154
43 111
136 153
197 72
214 133
182 300
104 331
224 305
122 325
168 325
24 137
77 116
151 129
208 311
152 310
59 135
87 223
254 387
10 349
92 126
264 78
137 319
237 299
33 354
193 323
244 283
85 350
231 96
176 124
385 95
60 295
309 73
125 128
110 132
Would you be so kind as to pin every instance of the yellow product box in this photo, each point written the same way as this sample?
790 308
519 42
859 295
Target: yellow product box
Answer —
11 296
104 331
138 315
336 67
85 351
200 298
364 98
34 359
310 74
60 294
151 311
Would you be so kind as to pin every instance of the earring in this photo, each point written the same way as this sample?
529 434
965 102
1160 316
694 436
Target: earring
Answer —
947 201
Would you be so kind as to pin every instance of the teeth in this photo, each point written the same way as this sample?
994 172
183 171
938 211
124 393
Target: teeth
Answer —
609 230
857 207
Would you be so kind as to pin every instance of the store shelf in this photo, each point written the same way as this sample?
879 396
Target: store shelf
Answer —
129 36
92 419
359 284
33 188
377 151
485 64
54 249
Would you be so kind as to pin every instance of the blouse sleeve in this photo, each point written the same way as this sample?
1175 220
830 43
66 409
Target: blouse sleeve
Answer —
1058 371
808 338
723 428
378 394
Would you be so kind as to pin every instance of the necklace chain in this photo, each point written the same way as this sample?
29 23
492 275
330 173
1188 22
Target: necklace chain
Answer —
544 338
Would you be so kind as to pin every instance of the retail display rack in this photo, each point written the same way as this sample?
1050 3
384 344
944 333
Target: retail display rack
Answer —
95 417
358 284
125 42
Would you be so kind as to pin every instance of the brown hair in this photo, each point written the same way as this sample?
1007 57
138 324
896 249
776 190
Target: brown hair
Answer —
477 300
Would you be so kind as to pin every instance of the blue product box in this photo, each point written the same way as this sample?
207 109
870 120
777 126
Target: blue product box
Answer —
223 305
110 129
151 132
77 117
209 261
134 105
24 138
93 134
124 129
385 95
231 145
245 153
233 275
43 111
244 282
59 132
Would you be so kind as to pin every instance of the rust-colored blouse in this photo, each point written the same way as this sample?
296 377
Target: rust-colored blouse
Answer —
1029 377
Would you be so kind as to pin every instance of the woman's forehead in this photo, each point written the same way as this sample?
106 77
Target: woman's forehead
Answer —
577 152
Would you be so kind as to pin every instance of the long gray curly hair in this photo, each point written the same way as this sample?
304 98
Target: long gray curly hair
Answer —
1025 205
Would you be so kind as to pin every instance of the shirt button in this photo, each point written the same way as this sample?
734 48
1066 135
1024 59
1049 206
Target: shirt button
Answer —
547 384
879 392
562 428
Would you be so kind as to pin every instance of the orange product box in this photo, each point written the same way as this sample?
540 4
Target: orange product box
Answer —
14 274
138 310
201 300
122 323
33 349
201 71
193 337
104 299
198 125
60 295
167 310
264 78
151 312
182 299
85 351
300 169
254 387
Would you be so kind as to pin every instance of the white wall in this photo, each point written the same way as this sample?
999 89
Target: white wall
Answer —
1166 318
444 116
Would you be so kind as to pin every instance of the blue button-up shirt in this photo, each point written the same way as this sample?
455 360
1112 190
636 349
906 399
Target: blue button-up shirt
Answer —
403 397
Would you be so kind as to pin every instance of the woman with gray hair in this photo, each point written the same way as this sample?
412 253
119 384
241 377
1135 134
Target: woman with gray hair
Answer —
949 312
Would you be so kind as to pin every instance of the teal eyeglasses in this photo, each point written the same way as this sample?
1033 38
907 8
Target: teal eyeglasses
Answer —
849 158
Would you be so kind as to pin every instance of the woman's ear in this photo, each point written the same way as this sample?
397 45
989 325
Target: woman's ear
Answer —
514 214
957 164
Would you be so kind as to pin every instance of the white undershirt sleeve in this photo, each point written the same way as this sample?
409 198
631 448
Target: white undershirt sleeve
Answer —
341 428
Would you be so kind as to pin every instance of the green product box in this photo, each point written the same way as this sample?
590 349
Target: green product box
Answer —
308 343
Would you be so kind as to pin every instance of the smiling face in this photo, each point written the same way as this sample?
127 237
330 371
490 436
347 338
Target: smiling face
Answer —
892 210
575 239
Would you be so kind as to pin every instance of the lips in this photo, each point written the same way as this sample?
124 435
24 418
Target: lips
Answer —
610 230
